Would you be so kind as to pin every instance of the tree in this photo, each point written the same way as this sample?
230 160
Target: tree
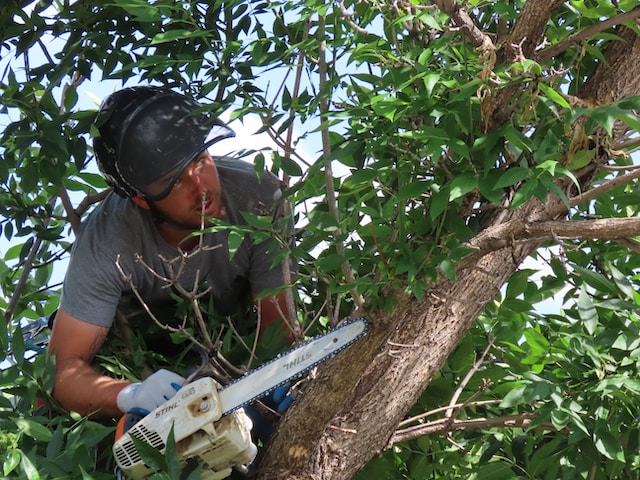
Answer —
475 135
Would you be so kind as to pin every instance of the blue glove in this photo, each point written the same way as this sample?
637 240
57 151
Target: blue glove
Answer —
142 398
264 423
282 396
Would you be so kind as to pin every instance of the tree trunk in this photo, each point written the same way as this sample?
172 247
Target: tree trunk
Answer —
351 407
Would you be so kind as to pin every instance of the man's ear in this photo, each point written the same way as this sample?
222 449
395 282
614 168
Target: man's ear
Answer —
141 201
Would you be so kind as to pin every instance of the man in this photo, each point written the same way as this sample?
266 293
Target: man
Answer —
152 149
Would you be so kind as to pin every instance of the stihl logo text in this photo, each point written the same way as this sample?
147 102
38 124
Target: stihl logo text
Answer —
166 409
297 361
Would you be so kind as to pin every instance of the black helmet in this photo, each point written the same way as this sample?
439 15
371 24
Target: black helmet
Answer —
148 136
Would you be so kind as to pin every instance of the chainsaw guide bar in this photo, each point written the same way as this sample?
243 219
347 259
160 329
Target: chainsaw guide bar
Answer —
287 366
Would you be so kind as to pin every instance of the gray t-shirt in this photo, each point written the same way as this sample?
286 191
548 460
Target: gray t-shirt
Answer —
119 233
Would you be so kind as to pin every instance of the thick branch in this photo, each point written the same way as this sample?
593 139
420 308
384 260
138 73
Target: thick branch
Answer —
521 42
508 234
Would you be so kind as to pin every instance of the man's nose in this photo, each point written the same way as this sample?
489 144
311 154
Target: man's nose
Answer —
191 175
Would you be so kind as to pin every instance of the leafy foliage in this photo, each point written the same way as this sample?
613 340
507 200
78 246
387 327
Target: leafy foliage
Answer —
398 102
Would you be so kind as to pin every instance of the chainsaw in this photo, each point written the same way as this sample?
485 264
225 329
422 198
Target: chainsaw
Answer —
208 421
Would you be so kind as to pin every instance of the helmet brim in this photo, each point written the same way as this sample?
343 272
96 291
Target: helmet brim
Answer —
161 187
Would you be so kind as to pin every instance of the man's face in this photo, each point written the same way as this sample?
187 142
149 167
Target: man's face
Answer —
195 196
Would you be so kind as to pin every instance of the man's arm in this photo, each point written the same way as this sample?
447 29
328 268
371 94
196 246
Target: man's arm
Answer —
78 387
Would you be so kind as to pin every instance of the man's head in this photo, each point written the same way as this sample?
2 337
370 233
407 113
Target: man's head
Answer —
149 136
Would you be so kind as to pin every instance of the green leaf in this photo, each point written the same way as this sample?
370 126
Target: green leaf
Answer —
439 203
587 311
234 241
291 167
622 282
554 96
413 190
85 475
536 340
28 467
430 80
514 397
35 430
448 268
608 445
596 280
173 459
512 176
517 139
495 471
141 10
461 185
11 461
151 456
18 346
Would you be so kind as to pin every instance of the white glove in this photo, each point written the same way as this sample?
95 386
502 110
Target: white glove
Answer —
143 397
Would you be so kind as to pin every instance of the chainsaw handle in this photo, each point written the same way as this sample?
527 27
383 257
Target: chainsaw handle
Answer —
127 421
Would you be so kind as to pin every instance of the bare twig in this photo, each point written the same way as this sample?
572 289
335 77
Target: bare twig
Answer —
450 413
127 278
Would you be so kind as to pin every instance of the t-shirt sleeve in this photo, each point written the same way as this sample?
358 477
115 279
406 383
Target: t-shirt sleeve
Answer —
93 285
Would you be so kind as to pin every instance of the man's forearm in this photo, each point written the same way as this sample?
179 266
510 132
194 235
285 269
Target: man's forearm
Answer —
81 389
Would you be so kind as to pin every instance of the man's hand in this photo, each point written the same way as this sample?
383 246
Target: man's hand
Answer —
143 397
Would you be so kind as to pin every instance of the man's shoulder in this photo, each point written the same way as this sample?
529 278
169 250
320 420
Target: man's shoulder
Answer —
246 190
244 172
114 221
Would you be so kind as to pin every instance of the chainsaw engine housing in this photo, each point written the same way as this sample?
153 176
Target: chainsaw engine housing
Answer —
218 443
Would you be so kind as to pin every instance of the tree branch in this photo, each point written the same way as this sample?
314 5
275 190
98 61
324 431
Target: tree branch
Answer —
462 20
332 202
594 193
445 425
588 32
90 200
508 234
534 230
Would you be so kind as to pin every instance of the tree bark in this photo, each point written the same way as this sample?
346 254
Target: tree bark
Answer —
350 409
